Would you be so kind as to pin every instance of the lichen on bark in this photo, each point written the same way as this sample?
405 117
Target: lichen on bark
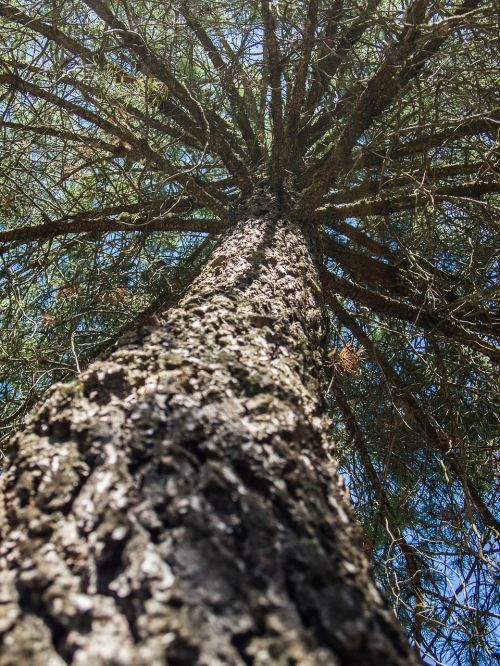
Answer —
179 504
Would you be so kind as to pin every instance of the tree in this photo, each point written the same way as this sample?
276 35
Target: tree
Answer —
248 230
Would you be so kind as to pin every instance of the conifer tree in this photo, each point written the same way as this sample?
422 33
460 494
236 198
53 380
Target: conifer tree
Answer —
243 243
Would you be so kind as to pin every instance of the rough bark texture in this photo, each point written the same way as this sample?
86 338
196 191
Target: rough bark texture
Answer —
178 505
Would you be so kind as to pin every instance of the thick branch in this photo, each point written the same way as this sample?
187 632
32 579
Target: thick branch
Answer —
328 66
104 224
369 157
217 134
421 179
239 111
138 148
298 91
273 68
406 202
430 322
121 75
413 286
381 90
117 150
17 83
356 235
52 33
362 265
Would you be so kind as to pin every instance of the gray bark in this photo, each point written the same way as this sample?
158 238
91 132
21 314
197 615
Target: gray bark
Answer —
178 504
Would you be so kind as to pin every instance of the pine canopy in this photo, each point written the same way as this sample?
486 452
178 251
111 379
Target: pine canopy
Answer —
131 133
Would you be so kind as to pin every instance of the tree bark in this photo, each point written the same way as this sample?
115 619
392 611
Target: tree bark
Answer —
178 503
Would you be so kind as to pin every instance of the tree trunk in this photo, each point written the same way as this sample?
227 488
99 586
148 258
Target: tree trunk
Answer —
178 505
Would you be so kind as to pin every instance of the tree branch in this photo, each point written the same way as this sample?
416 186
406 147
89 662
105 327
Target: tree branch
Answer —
472 190
403 396
419 178
42 232
119 74
117 150
330 62
410 553
216 134
273 67
298 91
431 322
380 91
239 111
368 158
